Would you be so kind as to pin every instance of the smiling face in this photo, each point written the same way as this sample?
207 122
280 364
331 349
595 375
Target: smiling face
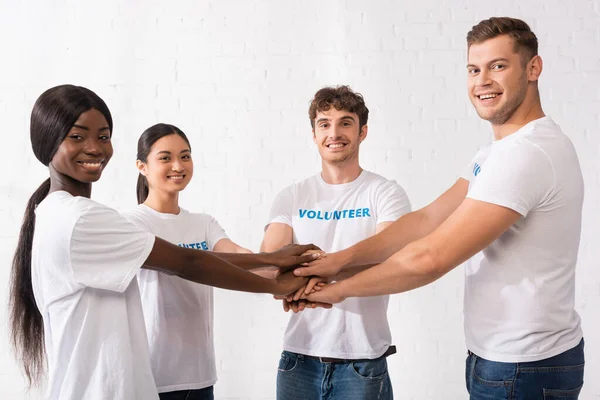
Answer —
86 149
497 79
337 135
169 166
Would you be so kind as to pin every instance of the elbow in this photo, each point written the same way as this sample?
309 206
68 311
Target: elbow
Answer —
427 261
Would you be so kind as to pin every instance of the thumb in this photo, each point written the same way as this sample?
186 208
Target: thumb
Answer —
318 297
305 271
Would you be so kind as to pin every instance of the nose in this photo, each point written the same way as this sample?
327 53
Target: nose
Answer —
483 78
176 166
92 147
336 132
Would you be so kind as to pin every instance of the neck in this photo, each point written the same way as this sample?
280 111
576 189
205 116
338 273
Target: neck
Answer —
65 183
528 111
163 202
338 173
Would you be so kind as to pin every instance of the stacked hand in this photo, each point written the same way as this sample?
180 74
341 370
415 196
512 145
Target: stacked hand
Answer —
317 292
294 255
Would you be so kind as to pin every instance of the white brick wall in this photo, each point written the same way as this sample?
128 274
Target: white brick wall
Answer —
237 76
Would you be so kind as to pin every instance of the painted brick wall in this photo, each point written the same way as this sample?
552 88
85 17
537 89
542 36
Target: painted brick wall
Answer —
237 77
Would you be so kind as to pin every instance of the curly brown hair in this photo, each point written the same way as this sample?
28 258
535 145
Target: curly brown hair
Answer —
342 98
525 41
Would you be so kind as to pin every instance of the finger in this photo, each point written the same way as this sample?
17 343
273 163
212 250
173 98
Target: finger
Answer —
307 258
311 284
278 297
306 271
294 306
286 305
298 294
301 305
306 247
322 305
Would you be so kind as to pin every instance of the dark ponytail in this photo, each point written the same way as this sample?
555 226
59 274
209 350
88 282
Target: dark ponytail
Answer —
145 142
26 323
142 189
53 115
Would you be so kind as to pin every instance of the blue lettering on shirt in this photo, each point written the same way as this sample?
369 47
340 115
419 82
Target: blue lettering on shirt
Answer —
199 246
362 212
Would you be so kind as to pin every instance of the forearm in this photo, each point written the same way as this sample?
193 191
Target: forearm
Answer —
246 261
351 271
205 268
412 267
380 247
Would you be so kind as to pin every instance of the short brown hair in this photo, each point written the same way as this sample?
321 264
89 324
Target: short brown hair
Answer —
342 98
525 41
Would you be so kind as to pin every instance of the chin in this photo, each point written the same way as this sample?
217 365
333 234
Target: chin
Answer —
88 179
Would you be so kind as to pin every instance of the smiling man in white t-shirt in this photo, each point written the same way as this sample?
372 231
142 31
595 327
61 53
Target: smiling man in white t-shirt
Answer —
338 353
519 203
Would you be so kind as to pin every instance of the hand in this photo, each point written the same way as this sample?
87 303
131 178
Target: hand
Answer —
287 283
332 293
320 252
315 283
300 305
324 266
293 255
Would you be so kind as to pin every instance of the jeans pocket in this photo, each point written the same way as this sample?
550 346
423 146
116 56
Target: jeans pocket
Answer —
371 369
558 394
491 380
287 362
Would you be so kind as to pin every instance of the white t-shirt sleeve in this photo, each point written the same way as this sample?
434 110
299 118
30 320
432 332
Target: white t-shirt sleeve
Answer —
281 210
214 233
107 250
469 170
519 177
392 202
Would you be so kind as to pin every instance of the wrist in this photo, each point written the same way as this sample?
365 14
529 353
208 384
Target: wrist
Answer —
346 258
264 258
340 290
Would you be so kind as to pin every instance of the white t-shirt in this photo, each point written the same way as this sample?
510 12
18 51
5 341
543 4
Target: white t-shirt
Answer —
85 257
520 291
179 313
335 217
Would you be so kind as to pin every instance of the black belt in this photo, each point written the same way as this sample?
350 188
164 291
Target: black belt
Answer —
390 350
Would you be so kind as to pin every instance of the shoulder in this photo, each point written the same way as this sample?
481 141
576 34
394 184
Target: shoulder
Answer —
380 183
307 185
139 217
196 217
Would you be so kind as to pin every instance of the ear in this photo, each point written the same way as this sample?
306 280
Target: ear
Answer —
534 68
141 167
363 133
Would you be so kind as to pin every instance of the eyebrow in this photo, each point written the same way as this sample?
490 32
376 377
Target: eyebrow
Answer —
491 62
168 152
343 118
85 128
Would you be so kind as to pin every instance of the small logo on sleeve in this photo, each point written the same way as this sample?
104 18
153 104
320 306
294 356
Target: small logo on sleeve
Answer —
476 169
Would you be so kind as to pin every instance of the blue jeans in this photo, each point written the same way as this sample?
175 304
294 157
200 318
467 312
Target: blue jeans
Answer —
196 394
302 378
558 377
